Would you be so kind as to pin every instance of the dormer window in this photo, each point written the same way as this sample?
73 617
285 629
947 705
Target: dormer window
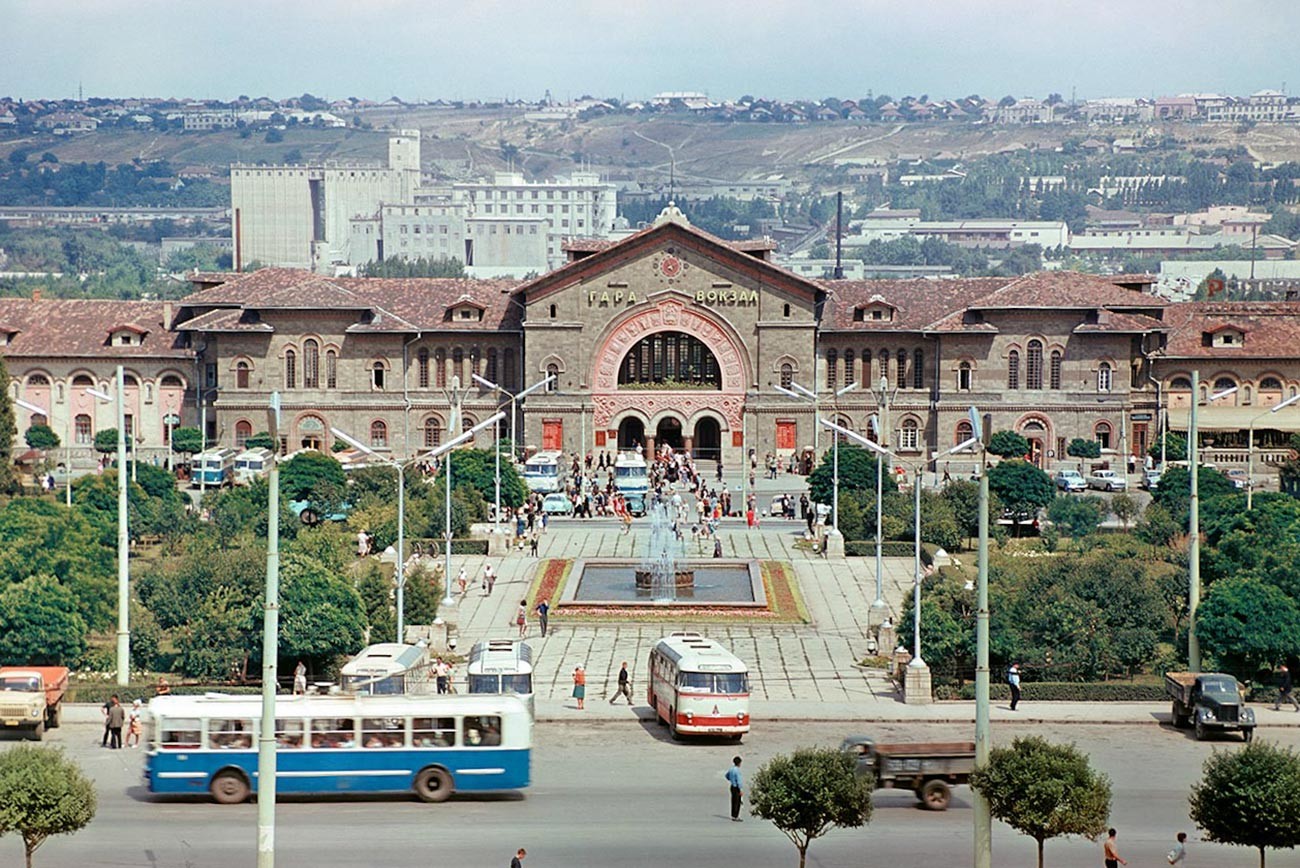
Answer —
876 311
1225 336
126 336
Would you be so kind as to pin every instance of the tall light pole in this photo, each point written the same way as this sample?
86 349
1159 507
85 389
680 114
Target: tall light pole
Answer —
879 605
266 759
1194 521
399 570
1250 450
835 491
983 738
496 436
447 598
123 539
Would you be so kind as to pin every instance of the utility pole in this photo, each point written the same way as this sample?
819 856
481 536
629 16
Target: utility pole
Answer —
123 543
266 759
1194 530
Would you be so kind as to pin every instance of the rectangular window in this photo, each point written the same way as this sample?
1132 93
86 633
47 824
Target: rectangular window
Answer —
231 734
180 733
288 734
481 731
383 732
333 732
433 732
909 438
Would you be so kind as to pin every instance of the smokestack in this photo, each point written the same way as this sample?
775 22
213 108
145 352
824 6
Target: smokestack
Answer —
839 217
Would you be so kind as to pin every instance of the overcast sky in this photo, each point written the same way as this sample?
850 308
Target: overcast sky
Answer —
633 48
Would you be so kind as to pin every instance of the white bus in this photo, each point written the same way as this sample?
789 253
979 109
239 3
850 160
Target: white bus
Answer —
215 467
429 745
502 666
630 473
252 464
386 669
542 472
698 687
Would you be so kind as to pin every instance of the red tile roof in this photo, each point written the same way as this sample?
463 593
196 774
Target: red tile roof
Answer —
1271 329
1062 289
917 303
80 328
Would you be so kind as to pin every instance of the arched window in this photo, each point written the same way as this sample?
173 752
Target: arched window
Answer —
1180 384
422 367
310 364
1270 384
901 373
290 369
964 432
1102 433
82 381
492 365
171 381
331 369
83 430
38 380
440 368
508 372
378 375
850 361
787 375
1104 377
1013 369
1034 365
670 359
1054 370
882 362
467 422
242 371
918 369
553 371
868 381
243 430
832 369
909 435
1223 384
378 434
432 432
458 364
785 310
553 311
964 377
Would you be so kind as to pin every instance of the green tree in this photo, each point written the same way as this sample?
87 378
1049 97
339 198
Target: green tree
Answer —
39 624
1175 448
313 476
219 636
187 441
1080 448
1174 491
321 614
39 536
42 793
1125 507
1246 623
260 440
1077 516
809 792
41 437
1008 444
1250 798
857 473
9 483
1044 790
1022 487
106 440
476 468
963 496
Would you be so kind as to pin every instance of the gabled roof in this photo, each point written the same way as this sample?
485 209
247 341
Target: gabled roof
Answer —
675 231
1270 327
78 328
1065 289
917 302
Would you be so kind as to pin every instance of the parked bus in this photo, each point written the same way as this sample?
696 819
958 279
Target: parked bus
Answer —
387 669
252 464
698 687
430 745
630 473
542 472
502 666
215 467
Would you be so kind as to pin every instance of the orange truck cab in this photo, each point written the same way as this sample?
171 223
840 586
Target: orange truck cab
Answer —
31 697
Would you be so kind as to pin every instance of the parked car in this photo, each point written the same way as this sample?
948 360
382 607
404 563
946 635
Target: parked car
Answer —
1238 478
1107 480
557 503
1070 480
1150 479
636 503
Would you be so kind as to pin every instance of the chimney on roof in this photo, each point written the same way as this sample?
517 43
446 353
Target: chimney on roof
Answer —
167 316
36 294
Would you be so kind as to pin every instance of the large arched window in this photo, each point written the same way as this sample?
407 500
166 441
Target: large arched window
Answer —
964 377
918 369
1034 365
243 430
1103 434
310 364
432 432
1054 370
964 432
492 365
1013 369
290 369
378 434
83 430
331 369
849 363
242 372
440 368
901 373
832 370
553 377
1104 377
909 435
671 360
422 367
882 362
458 364
868 381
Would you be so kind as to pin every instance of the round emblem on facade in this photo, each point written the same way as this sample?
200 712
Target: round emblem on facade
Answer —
670 266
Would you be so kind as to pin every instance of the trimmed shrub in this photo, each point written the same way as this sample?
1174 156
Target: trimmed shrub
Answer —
1063 691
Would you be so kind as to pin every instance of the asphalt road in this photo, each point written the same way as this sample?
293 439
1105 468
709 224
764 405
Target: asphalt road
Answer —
620 795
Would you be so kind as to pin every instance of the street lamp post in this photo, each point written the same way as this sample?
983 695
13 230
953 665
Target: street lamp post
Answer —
983 737
123 539
266 759
1250 449
1194 521
879 605
514 446
835 490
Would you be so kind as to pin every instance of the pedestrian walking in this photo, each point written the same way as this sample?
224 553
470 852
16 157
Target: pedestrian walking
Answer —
517 861
105 709
543 612
1110 852
624 685
521 618
134 725
580 687
1284 689
1013 680
1179 853
717 546
116 718
300 679
737 784
440 673
489 579
532 545
462 580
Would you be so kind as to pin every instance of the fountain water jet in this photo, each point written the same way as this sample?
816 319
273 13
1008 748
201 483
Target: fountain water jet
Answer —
659 573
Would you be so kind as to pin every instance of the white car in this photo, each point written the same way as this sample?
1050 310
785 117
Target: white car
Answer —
1070 480
1107 480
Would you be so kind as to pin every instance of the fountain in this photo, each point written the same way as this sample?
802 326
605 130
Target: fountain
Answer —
659 574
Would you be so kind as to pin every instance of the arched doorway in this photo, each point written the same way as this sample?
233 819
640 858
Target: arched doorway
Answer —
669 433
311 430
1035 432
707 440
631 434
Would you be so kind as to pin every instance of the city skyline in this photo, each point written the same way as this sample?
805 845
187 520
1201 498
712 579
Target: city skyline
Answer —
503 50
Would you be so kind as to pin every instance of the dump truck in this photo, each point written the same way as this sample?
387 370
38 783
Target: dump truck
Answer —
31 697
928 770
1210 702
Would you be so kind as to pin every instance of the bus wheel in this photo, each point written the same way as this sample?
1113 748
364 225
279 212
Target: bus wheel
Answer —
672 725
229 788
433 785
935 796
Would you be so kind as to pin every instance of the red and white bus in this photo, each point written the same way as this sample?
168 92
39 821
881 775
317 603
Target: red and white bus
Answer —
698 687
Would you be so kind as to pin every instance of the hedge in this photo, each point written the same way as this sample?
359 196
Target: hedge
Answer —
458 546
1062 691
890 548
99 693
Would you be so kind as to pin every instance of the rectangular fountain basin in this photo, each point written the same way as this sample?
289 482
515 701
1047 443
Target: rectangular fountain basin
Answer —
718 582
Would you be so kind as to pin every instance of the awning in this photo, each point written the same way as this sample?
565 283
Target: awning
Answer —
1236 418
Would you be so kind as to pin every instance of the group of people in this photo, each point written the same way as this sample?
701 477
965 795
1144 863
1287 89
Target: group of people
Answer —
117 717
622 688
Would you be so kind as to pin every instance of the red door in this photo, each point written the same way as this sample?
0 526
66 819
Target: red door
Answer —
785 435
552 435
